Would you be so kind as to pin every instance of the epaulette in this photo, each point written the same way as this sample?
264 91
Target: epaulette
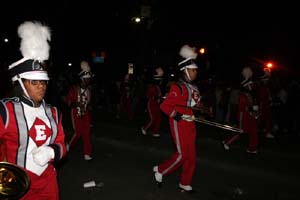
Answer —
15 99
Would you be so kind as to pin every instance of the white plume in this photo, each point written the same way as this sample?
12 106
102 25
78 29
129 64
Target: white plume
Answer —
159 71
247 72
34 40
188 52
85 66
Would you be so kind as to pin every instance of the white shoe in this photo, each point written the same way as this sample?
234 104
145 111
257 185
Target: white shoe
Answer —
186 188
156 135
158 177
87 157
226 146
251 152
143 131
270 136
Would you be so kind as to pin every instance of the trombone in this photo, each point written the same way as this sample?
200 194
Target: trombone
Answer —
207 110
215 124
219 125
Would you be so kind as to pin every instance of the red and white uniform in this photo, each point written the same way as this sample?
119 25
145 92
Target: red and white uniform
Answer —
265 99
153 106
126 101
247 121
23 128
81 116
181 97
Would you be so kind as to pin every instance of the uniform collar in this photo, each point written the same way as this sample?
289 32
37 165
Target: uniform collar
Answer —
28 101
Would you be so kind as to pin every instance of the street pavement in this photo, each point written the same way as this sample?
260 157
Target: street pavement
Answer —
123 161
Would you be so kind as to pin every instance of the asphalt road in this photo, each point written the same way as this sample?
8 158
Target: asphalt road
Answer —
123 161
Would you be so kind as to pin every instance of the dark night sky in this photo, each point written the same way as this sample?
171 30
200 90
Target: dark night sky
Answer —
232 33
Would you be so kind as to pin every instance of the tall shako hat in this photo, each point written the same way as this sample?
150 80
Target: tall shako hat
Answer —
85 70
35 49
158 75
189 54
247 73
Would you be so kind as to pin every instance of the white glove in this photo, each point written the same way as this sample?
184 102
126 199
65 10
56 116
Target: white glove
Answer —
42 155
188 118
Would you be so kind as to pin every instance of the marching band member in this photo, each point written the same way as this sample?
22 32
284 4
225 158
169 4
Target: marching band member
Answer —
248 113
181 97
79 99
154 96
31 129
265 101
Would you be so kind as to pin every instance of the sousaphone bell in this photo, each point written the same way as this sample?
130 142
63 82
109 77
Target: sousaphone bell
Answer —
14 181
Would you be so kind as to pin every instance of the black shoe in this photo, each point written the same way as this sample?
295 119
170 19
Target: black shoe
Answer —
158 184
187 191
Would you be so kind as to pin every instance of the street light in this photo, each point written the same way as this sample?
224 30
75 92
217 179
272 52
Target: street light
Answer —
202 50
136 19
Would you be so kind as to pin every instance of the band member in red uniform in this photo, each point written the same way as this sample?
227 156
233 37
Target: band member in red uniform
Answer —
79 99
31 129
154 96
248 112
181 97
126 98
265 100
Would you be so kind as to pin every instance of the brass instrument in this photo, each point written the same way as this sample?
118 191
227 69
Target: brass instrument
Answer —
215 124
14 181
219 125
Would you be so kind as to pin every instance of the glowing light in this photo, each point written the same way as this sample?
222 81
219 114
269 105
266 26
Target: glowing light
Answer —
202 50
136 19
269 65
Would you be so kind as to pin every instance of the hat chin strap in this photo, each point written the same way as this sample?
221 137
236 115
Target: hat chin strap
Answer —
23 87
187 74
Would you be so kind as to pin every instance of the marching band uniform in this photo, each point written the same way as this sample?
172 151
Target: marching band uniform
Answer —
177 105
247 114
265 100
31 129
154 96
79 98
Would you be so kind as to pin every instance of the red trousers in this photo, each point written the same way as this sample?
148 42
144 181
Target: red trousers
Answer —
184 136
44 186
249 126
82 129
155 117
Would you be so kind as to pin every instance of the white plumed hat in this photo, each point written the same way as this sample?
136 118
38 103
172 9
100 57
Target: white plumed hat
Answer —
85 70
35 49
247 74
189 54
159 72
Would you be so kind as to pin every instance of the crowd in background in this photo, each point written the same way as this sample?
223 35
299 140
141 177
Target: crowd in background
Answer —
126 98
